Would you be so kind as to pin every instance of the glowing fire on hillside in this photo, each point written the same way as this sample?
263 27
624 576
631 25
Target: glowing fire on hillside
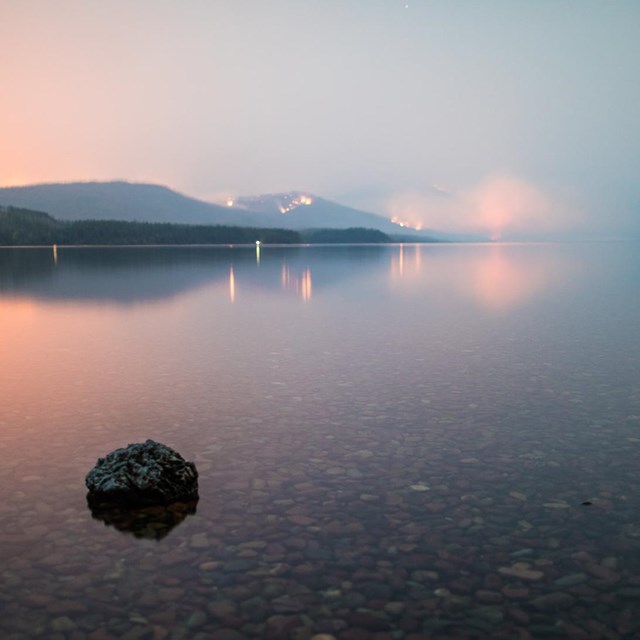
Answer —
417 226
301 200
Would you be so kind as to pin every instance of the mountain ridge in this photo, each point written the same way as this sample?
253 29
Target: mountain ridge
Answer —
145 202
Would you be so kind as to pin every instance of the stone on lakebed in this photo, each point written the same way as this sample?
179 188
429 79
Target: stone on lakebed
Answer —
146 473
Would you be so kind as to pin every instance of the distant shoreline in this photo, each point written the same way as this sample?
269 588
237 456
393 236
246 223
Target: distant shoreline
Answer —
27 228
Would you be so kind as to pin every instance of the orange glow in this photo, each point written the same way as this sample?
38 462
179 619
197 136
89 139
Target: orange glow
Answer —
402 265
500 283
295 203
498 205
410 224
14 181
302 286
495 277
232 285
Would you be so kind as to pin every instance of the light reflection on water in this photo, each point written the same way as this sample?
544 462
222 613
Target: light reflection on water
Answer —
393 438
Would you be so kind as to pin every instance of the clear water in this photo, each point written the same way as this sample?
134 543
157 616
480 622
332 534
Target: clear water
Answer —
408 441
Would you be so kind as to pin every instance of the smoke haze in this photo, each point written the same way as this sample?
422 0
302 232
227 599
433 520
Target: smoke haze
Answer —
522 114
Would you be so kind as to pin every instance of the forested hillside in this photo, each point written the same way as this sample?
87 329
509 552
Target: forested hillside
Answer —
26 227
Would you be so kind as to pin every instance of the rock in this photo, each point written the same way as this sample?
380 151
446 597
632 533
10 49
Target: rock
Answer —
489 597
288 604
522 574
395 609
515 593
280 627
226 634
571 580
143 474
602 572
196 619
63 623
240 565
553 601
368 621
492 615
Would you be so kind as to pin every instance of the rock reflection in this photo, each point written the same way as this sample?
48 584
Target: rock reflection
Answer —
151 523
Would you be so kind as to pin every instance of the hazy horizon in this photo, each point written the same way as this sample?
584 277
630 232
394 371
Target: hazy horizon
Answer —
504 117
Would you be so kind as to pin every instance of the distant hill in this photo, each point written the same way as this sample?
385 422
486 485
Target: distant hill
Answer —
302 210
124 201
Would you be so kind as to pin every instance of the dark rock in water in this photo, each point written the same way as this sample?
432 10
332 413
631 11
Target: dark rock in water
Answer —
147 473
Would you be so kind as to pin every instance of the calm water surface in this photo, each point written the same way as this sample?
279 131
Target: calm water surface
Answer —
393 442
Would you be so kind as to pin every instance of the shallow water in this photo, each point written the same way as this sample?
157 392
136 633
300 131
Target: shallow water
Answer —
409 441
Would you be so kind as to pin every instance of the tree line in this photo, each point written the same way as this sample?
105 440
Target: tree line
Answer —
23 227
26 227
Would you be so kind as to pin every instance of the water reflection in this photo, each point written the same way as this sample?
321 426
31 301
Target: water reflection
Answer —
152 523
232 285
502 281
496 277
135 274
299 285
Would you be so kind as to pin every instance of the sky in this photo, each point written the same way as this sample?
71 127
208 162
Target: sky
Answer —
494 115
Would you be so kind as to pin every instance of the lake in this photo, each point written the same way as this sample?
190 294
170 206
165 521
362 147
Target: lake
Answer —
406 441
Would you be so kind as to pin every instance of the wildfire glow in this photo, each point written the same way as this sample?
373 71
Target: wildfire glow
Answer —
417 226
296 202
498 206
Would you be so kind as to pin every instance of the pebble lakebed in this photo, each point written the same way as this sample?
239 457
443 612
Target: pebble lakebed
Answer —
377 534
